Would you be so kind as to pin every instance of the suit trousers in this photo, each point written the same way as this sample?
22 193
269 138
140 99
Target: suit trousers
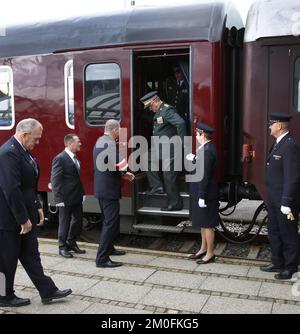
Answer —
110 210
70 225
284 238
14 247
169 177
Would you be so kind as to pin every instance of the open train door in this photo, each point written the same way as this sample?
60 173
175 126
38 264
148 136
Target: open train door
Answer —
102 92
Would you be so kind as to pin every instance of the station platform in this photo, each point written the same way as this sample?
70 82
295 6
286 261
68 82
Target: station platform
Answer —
155 282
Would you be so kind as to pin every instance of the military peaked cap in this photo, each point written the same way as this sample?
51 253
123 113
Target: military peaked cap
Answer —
148 98
205 128
280 117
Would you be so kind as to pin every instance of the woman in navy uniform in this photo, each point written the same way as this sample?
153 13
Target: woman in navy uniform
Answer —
204 194
282 178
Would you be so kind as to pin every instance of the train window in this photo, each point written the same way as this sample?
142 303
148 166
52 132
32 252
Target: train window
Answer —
7 109
102 93
69 95
297 85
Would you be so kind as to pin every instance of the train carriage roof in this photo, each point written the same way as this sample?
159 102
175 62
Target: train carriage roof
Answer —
201 21
273 18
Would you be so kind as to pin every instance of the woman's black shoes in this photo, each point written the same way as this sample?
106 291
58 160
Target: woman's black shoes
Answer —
196 257
211 260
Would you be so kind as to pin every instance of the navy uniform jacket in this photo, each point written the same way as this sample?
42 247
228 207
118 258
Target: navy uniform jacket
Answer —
65 180
107 183
282 175
178 96
18 187
207 188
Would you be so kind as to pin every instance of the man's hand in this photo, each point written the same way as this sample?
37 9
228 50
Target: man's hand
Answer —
25 228
190 157
60 204
201 203
42 217
128 176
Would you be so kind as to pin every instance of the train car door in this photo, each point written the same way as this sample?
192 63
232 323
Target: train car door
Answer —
102 92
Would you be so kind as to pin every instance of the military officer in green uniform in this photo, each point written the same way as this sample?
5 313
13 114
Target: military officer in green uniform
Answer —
167 124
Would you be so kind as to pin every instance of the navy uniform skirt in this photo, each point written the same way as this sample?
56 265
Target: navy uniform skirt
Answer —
205 217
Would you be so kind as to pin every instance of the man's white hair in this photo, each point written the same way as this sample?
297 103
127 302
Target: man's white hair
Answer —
111 124
28 125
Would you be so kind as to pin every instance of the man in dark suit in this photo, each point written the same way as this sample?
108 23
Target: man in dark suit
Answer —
109 169
167 124
68 195
283 198
21 212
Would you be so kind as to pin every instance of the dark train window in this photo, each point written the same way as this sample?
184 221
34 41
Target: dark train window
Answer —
297 85
102 93
7 108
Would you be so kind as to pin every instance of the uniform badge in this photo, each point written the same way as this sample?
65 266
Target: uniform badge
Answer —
160 120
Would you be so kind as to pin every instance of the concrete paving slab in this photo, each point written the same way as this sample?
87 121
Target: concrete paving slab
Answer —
166 262
126 273
128 293
68 305
285 309
231 285
255 272
190 281
97 308
141 259
222 268
51 261
48 248
21 278
77 284
278 291
77 266
227 305
178 300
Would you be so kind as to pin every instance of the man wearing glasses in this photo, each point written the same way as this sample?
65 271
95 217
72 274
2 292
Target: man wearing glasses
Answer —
282 178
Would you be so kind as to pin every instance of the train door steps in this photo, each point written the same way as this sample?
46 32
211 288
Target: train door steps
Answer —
158 228
154 211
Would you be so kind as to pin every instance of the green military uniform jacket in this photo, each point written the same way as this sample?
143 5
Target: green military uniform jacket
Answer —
166 122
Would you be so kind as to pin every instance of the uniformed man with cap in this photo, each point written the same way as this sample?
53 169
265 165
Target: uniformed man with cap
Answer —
282 180
204 194
166 122
178 94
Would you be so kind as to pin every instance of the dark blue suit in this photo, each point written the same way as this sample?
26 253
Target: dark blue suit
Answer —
206 189
67 188
107 188
18 203
283 189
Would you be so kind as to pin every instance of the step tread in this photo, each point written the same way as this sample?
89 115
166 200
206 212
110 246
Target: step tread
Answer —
147 210
161 228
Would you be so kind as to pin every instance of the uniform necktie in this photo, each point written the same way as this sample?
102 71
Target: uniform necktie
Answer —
33 163
76 162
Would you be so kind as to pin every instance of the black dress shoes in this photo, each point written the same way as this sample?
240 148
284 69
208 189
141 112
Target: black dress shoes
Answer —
58 294
117 252
285 274
271 268
196 257
65 253
109 264
155 191
211 260
76 249
13 301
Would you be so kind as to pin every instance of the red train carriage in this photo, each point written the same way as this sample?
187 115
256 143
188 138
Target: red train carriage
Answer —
73 75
